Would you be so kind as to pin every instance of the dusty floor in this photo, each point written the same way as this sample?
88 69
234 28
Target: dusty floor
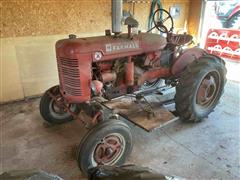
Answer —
206 150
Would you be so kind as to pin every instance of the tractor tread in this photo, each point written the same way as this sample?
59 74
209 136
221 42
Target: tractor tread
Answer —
189 80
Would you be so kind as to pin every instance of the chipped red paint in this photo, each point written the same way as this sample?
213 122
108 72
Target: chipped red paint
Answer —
186 58
78 54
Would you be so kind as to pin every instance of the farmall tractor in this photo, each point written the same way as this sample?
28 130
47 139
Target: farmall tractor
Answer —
95 72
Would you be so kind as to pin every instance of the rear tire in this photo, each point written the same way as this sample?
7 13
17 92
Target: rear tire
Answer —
108 143
51 112
200 87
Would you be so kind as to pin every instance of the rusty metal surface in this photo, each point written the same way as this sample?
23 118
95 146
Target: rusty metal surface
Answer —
154 73
186 58
180 39
110 46
75 57
129 109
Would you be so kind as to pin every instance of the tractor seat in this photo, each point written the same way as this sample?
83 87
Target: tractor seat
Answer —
180 39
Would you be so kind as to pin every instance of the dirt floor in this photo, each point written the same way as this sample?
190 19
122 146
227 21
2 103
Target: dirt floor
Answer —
206 150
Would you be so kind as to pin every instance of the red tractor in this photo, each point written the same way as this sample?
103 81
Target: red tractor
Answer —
117 64
228 13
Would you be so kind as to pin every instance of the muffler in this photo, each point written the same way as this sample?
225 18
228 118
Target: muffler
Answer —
116 16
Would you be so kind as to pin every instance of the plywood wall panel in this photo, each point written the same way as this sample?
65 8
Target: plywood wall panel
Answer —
10 82
49 17
194 17
37 65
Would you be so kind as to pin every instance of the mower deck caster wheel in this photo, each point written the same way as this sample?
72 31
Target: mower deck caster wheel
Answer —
108 143
53 109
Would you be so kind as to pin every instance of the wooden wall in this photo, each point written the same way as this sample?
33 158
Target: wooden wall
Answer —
30 28
50 17
194 18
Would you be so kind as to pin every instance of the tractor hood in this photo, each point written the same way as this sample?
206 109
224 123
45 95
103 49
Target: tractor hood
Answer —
108 47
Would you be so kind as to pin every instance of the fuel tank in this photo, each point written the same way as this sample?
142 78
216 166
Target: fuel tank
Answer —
110 47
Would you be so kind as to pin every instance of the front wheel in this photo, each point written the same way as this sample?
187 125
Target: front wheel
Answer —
108 143
200 88
53 109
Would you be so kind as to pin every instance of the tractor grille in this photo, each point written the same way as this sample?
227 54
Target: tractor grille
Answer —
70 76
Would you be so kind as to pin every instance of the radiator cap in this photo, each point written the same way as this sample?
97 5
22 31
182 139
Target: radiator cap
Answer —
72 36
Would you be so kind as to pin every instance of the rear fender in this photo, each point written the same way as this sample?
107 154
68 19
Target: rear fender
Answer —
235 11
187 57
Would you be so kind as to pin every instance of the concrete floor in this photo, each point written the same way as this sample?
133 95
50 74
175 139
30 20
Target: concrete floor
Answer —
206 150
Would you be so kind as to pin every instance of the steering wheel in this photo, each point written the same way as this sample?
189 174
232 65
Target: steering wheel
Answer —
163 24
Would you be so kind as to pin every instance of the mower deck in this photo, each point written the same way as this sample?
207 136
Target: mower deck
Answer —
141 114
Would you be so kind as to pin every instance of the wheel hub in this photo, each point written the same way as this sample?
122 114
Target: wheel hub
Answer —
58 105
207 90
58 108
108 150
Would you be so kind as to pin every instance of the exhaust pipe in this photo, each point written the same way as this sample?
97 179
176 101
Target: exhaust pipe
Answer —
116 16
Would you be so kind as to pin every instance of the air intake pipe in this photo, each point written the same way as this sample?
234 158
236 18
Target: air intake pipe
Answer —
116 16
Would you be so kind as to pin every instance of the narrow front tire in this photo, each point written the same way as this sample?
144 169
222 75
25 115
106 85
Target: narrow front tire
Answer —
55 112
